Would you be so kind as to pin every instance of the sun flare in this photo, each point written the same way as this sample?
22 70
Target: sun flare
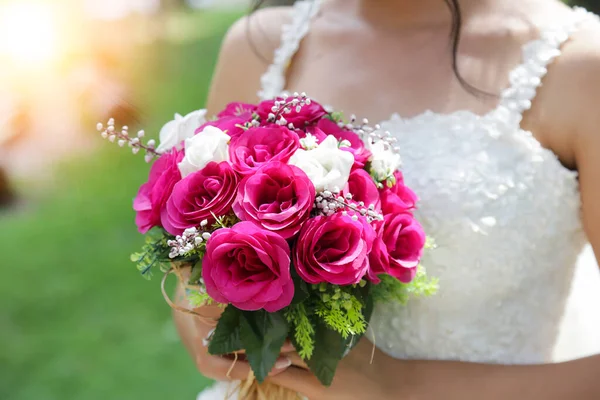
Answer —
28 33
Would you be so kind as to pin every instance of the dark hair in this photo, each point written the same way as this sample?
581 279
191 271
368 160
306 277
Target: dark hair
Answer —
455 32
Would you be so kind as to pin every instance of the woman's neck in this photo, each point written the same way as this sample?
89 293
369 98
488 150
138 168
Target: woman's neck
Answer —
404 13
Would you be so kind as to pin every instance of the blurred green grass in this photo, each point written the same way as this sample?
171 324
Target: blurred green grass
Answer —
77 320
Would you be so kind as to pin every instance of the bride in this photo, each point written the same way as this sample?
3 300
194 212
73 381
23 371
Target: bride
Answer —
506 160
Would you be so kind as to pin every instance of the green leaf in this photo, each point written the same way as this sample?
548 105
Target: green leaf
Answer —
329 350
301 330
263 335
300 288
226 338
196 273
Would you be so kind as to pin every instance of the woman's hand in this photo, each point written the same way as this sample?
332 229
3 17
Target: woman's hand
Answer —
366 373
195 332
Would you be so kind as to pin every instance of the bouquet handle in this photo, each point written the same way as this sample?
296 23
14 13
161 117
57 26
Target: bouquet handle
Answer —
248 389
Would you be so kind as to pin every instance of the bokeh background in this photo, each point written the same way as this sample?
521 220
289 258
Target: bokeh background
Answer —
76 319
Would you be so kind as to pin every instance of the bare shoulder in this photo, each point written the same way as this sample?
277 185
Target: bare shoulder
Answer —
246 52
567 112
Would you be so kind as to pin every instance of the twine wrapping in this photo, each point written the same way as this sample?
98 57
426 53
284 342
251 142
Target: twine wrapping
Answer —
248 389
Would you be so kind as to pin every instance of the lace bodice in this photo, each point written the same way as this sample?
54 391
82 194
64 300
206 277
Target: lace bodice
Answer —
504 212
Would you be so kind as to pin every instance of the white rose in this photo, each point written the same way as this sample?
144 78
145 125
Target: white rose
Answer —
180 129
212 144
327 166
384 161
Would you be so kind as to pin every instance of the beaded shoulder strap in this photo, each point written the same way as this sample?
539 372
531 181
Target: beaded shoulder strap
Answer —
273 80
538 54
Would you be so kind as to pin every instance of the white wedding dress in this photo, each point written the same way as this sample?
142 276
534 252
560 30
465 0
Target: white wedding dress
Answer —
518 282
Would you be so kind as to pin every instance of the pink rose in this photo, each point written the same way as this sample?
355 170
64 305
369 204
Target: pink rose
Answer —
278 197
239 110
153 195
307 115
334 249
248 267
257 146
229 125
200 195
357 146
398 248
399 198
362 187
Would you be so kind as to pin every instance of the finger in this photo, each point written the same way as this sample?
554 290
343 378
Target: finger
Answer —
288 347
298 380
281 365
296 360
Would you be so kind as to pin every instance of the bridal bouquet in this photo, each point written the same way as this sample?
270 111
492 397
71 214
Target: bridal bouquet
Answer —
294 220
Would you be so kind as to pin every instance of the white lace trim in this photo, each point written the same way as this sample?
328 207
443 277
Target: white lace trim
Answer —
524 80
273 80
538 54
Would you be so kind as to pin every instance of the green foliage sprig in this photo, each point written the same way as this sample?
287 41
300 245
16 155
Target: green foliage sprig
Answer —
154 254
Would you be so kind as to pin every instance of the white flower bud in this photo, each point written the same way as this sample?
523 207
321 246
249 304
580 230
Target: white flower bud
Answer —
204 223
104 135
135 150
190 231
148 157
151 143
141 134
206 235
100 127
121 142
112 138
198 240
